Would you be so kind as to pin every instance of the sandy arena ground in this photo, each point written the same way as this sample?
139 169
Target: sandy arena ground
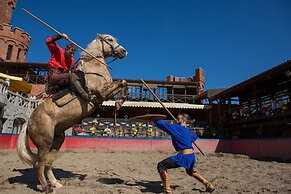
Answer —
88 172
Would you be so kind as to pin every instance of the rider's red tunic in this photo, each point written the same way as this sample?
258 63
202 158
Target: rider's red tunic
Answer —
58 59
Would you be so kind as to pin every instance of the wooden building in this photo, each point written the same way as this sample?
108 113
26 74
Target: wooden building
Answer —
257 107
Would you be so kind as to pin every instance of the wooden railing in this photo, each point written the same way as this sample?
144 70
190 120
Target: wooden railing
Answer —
175 98
33 79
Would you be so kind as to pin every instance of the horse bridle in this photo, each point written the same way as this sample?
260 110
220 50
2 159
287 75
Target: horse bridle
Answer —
114 51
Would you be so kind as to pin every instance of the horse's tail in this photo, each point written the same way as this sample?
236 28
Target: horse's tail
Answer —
23 150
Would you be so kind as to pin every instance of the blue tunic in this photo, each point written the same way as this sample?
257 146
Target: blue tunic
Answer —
182 138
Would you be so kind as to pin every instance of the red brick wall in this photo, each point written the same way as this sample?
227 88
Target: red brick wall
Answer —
170 78
37 89
199 77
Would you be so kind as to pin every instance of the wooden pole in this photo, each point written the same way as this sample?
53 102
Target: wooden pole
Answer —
167 111
53 29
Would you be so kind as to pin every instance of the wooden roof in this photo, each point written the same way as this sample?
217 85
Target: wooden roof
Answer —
161 82
277 74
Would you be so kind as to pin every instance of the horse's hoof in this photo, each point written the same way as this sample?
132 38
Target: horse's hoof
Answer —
57 185
53 192
49 190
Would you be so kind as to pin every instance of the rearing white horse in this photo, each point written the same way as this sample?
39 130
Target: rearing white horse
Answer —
48 121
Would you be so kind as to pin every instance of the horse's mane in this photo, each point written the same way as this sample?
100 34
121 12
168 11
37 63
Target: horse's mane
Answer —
94 47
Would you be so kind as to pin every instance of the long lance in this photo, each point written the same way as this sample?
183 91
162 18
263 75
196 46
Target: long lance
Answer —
168 111
53 29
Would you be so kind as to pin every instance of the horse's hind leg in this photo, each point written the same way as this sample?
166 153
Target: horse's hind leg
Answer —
53 155
39 167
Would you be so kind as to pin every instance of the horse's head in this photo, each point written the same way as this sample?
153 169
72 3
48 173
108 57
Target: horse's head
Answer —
111 47
107 46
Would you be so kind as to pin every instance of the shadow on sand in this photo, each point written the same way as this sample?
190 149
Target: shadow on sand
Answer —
29 178
145 185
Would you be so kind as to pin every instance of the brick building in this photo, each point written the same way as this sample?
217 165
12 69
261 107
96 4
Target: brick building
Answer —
198 78
14 42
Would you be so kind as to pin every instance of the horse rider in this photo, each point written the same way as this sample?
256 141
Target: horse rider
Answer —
59 64
182 139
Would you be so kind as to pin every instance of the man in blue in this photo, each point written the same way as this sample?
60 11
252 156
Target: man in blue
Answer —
182 139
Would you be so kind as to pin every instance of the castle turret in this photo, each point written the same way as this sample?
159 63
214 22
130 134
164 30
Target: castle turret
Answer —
14 42
6 8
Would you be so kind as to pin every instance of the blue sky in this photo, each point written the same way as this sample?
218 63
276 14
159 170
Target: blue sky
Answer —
231 40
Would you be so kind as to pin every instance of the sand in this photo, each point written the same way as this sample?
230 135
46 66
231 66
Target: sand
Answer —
105 172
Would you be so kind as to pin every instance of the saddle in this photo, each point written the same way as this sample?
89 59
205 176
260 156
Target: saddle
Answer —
63 95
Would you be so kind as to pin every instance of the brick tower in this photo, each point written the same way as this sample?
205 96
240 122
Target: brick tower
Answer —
14 42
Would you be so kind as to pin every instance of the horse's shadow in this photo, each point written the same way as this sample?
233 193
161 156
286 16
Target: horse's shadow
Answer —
147 186
29 178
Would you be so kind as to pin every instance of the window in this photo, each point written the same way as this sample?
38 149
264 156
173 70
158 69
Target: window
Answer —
10 3
18 54
9 52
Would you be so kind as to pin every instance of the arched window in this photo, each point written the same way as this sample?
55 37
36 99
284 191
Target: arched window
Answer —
18 54
9 52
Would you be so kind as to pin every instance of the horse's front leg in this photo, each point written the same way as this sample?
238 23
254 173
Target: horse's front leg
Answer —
123 95
113 88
